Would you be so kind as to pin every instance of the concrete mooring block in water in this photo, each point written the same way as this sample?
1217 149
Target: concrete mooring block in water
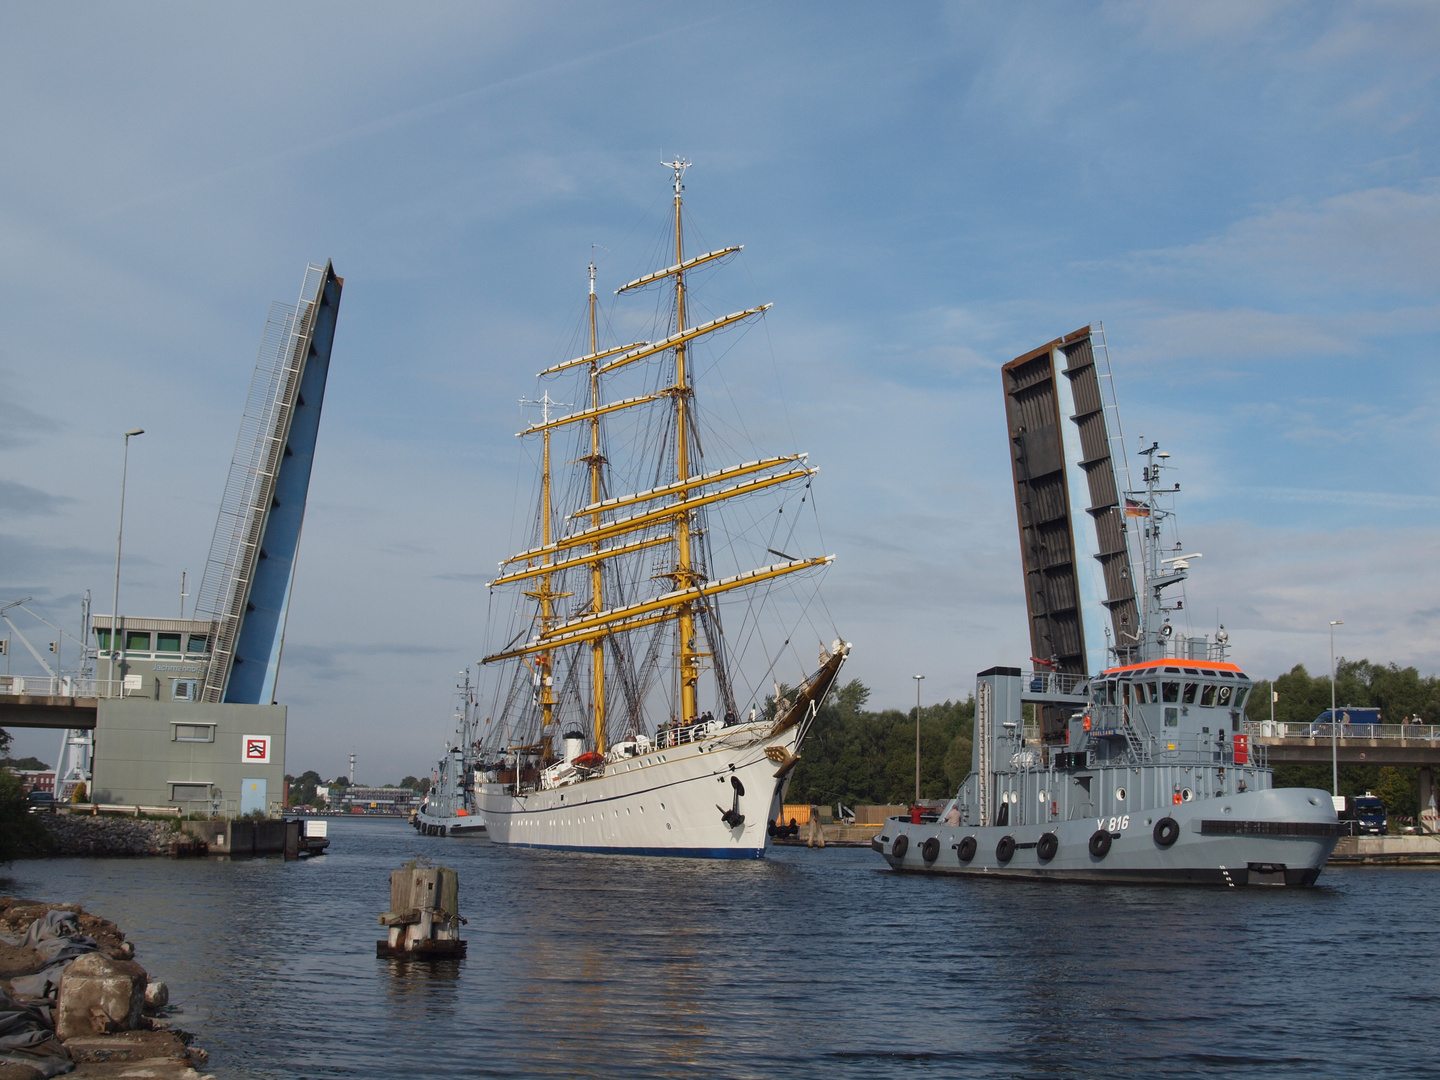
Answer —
424 917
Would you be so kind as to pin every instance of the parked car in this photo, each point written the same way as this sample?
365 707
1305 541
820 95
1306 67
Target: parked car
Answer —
40 802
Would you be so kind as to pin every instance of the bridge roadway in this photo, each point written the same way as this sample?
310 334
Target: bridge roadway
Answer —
1408 745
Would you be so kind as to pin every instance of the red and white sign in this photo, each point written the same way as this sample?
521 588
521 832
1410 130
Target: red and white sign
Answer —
256 749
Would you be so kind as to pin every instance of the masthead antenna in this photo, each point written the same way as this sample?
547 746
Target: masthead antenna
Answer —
679 165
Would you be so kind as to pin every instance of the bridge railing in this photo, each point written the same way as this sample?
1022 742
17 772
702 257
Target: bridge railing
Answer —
61 686
1420 733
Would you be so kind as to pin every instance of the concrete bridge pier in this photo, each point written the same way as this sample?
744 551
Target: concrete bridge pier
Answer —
1429 815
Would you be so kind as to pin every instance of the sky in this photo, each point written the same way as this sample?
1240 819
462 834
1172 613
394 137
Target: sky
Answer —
1247 195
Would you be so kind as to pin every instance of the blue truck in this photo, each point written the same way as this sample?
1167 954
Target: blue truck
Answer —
1364 815
1350 717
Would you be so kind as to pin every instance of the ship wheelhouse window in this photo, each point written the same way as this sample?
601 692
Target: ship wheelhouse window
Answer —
1154 691
1139 693
1172 692
1240 692
1224 695
1207 695
1189 697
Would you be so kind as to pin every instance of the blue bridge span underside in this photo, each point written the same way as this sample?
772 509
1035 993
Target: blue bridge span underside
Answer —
262 631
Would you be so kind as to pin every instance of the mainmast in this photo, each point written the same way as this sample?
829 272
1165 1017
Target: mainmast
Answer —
597 647
687 656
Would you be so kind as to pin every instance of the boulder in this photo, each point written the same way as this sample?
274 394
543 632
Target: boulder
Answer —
99 996
157 996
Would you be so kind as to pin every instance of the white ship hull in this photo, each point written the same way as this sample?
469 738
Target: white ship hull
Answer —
669 801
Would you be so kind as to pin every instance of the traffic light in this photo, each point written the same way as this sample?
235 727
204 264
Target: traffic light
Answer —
54 646
4 645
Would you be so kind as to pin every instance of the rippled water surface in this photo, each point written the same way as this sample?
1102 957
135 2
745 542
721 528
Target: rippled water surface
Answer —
806 964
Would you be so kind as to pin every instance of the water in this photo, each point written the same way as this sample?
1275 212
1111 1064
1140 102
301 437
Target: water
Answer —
806 964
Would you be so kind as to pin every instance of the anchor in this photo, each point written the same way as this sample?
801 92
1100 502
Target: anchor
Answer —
733 817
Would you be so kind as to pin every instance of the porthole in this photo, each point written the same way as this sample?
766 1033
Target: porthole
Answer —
1119 794
1186 795
667 826
662 806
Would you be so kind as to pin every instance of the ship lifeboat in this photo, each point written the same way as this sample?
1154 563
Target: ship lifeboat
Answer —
592 760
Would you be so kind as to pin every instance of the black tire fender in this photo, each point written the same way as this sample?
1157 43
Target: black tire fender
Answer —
1167 831
1047 846
930 849
900 846
1005 849
1100 843
966 848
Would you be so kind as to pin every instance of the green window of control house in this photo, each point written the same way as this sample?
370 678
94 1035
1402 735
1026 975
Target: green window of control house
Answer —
167 643
198 643
102 639
137 640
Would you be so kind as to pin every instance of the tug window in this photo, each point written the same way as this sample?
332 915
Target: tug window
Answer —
1240 692
1207 695
1225 695
1172 691
1110 693
1139 693
1154 691
1190 689
1125 693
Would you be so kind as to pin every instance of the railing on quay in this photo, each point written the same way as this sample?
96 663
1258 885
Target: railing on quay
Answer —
1266 729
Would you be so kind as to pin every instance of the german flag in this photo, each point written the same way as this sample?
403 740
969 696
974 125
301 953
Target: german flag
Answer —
1136 509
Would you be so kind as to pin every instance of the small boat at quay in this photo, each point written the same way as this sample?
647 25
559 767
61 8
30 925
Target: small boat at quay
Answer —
1140 772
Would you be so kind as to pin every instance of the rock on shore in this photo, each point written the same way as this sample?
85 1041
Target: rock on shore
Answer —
101 1019
79 835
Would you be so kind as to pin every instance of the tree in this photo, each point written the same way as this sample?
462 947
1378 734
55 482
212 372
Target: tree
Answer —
20 831
414 784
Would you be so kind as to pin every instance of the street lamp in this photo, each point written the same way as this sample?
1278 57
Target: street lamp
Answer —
119 536
1334 744
917 679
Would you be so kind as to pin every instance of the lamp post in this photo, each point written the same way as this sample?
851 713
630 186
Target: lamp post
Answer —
119 536
1334 743
917 679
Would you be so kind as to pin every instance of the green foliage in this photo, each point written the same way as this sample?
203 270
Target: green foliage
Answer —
5 739
302 788
420 785
21 833
857 757
24 763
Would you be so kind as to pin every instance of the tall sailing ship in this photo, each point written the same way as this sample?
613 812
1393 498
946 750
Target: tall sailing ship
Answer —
620 721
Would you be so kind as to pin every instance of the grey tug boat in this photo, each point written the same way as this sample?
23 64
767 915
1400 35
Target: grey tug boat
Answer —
1139 773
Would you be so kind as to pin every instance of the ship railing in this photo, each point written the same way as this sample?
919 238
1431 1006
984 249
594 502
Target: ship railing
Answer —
64 686
1419 733
1177 750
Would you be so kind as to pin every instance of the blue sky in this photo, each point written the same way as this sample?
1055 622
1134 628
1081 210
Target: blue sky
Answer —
1247 195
